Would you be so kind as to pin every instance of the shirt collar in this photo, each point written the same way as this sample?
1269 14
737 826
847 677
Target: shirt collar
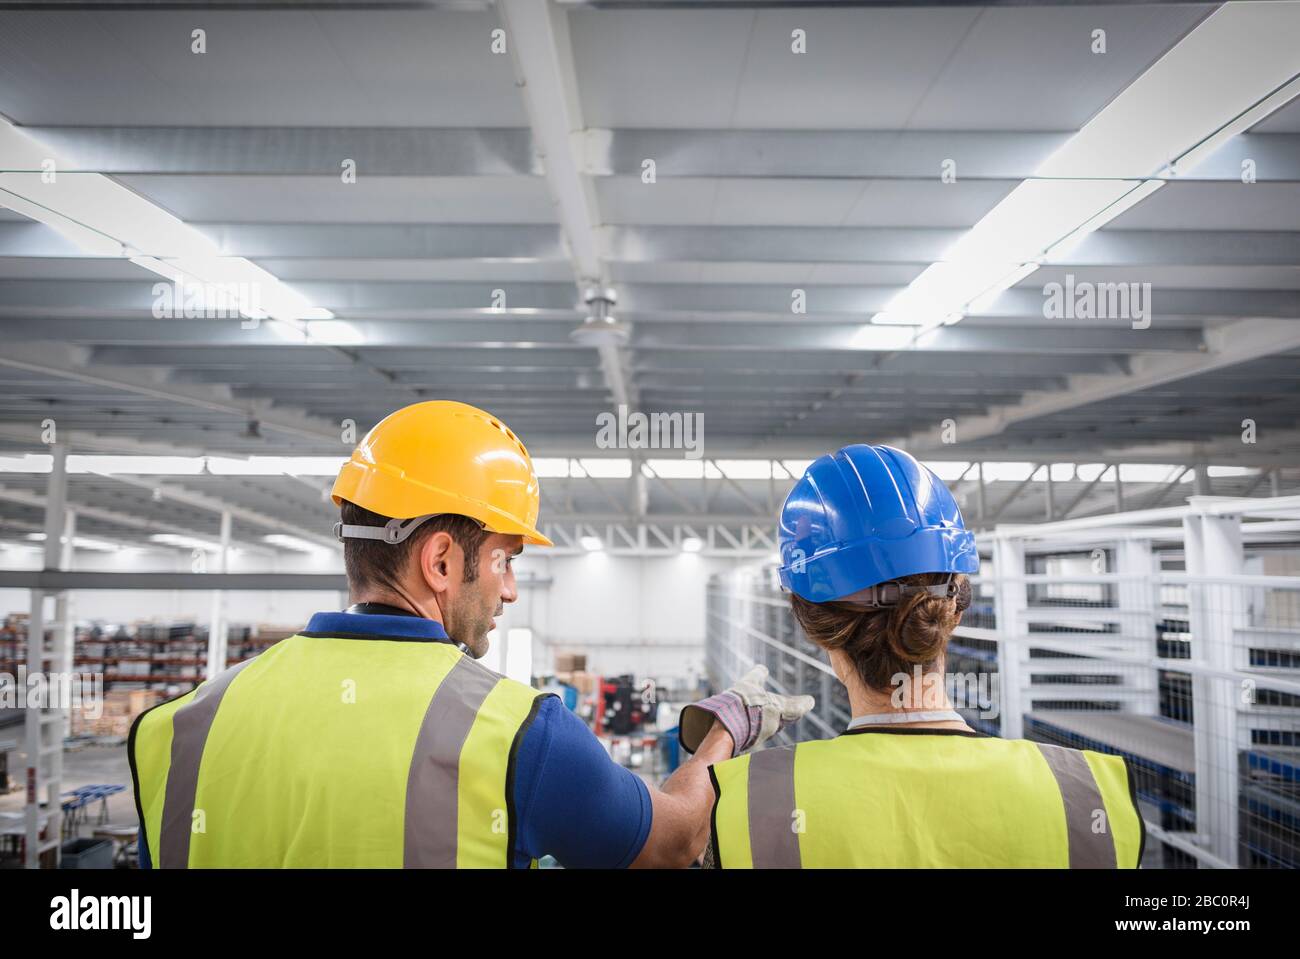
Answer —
361 625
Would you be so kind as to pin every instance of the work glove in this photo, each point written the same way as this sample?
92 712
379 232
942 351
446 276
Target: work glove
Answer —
750 713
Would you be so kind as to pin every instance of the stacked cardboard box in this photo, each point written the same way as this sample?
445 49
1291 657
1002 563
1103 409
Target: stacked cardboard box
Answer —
570 662
571 669
116 713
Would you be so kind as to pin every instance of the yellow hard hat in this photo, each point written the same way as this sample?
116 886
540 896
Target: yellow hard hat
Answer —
441 457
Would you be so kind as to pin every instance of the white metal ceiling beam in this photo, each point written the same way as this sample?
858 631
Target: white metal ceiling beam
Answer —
1227 345
115 518
84 441
538 36
211 503
459 151
66 362
787 245
104 218
534 304
509 335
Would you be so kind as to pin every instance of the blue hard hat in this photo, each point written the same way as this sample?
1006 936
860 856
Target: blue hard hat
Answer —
868 515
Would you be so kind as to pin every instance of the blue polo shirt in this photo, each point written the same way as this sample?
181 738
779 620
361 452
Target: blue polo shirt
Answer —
572 801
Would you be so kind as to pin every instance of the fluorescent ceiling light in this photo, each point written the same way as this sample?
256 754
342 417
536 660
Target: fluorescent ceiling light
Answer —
984 302
1233 69
179 465
1232 62
872 337
1147 472
275 465
334 332
1015 472
204 296
1060 251
607 468
104 218
692 544
22 548
185 542
677 469
911 317
292 542
80 235
98 545
745 469
81 542
950 472
27 463
591 543
156 465
1226 471
551 468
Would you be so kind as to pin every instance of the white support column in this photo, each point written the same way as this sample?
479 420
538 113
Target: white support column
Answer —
62 656
219 628
1138 596
1213 547
42 732
983 496
1051 505
1119 491
1011 599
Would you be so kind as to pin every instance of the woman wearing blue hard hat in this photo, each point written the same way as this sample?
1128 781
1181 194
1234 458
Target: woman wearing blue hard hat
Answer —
876 555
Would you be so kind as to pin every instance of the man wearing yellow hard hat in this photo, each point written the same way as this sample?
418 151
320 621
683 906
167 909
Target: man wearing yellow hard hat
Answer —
374 738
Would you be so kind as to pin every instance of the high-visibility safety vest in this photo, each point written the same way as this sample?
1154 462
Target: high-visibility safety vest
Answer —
911 800
335 752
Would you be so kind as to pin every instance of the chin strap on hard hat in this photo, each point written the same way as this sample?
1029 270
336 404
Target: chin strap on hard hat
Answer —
892 593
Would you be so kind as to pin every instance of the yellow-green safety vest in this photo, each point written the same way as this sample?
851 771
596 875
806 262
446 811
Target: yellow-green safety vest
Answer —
925 798
335 752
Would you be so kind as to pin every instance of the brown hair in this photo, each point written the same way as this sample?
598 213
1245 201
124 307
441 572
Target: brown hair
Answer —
373 562
884 642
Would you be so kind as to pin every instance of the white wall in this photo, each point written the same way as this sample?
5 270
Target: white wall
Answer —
644 616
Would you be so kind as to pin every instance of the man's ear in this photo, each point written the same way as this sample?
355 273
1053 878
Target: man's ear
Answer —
435 561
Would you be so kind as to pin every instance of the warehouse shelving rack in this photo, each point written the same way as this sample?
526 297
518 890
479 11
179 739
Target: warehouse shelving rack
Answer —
49 644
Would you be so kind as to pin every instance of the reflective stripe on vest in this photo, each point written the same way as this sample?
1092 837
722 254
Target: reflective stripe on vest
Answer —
773 841
886 800
334 752
1089 848
190 726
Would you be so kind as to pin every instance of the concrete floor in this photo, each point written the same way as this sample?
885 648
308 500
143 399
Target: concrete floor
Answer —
88 765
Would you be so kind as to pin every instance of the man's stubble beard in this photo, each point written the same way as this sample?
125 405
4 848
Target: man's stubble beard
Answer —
471 624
